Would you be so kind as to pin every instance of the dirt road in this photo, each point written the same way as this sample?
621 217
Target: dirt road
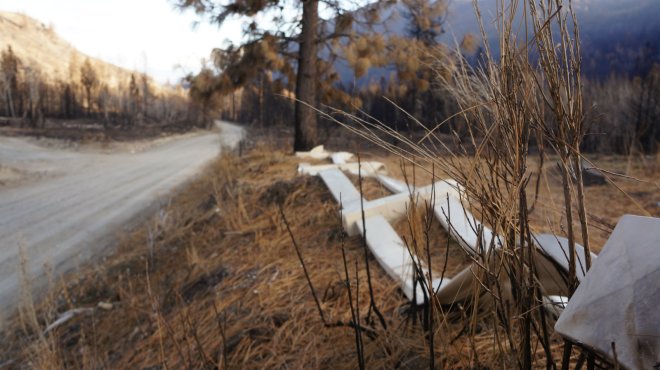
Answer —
66 205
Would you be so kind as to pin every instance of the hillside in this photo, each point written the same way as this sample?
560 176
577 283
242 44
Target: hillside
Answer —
39 46
48 91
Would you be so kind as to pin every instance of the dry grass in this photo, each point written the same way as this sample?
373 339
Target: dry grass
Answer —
86 131
637 191
510 106
213 280
218 275
637 195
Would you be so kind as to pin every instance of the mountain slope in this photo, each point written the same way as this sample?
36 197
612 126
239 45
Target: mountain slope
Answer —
38 46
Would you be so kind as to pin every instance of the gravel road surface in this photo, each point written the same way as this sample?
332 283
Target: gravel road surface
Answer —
64 206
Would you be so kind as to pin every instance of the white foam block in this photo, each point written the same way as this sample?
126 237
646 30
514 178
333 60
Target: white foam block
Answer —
462 225
365 168
556 248
393 256
341 157
340 187
318 152
618 299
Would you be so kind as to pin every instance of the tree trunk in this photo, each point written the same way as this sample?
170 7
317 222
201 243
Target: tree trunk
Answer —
233 106
306 135
10 100
261 100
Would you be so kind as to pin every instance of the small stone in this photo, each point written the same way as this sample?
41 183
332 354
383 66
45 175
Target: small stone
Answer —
105 306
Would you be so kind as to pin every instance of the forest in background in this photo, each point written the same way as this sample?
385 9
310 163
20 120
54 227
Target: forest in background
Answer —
29 98
45 81
364 68
400 80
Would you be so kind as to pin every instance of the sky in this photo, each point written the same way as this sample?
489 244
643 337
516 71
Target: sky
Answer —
132 33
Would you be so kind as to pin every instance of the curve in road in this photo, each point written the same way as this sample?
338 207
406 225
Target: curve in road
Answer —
69 218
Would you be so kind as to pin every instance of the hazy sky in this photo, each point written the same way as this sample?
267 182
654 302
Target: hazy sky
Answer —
123 32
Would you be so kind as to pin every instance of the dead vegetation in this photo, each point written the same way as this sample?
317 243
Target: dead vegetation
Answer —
213 281
89 130
514 107
218 281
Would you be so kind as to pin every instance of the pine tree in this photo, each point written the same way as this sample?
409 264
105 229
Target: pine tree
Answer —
9 65
89 80
202 90
134 99
646 111
425 24
295 43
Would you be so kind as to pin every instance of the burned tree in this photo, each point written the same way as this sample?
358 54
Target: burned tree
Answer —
9 65
89 80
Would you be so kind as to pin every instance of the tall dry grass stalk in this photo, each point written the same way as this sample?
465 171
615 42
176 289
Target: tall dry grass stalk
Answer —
528 96
44 351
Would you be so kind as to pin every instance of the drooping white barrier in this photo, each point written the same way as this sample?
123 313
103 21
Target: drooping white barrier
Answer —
382 240
394 206
622 284
556 248
393 185
551 259
463 227
393 255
